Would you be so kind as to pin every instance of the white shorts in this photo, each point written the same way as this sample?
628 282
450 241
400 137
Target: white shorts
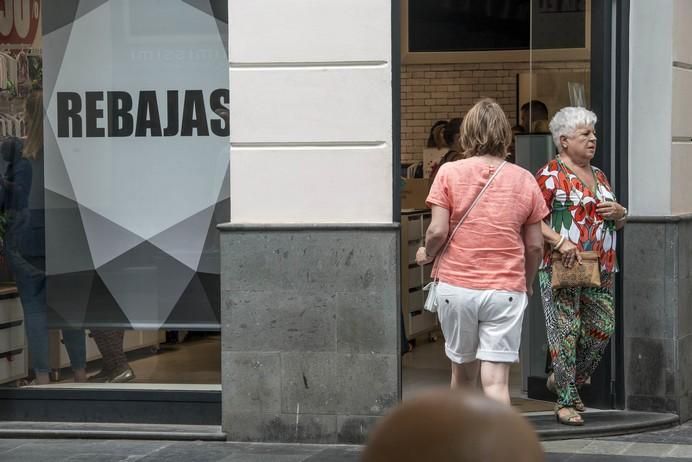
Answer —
481 324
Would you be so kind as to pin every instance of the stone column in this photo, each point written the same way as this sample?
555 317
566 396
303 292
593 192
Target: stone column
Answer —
310 325
310 306
658 237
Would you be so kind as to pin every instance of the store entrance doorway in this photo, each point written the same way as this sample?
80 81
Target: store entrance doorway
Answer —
533 58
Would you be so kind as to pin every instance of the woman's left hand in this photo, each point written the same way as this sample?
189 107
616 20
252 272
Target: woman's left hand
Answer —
422 257
611 210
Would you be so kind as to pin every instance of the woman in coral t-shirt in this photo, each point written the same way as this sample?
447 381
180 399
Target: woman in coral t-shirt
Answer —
492 260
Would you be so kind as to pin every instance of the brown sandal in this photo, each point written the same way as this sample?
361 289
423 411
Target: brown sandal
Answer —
579 405
550 385
571 418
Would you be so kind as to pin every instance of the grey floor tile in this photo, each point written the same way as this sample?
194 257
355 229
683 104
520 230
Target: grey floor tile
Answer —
650 449
566 446
263 458
682 451
606 447
49 450
85 457
554 457
8 444
339 454
195 451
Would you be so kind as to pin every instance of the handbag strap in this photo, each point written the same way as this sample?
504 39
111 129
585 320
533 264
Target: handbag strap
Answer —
463 218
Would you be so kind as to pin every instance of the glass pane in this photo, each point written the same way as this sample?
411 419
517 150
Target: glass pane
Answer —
115 175
552 82
471 25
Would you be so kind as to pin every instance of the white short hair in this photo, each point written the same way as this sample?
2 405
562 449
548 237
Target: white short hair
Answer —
566 121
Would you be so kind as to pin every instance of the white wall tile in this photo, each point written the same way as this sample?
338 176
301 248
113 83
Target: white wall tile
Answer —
309 30
650 106
682 102
314 185
332 104
681 187
682 32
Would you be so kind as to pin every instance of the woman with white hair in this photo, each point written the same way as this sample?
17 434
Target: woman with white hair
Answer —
584 216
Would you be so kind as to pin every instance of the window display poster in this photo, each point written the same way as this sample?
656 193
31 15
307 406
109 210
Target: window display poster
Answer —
20 23
136 161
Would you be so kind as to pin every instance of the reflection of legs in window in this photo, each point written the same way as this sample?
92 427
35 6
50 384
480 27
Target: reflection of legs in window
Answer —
115 366
75 344
37 336
31 288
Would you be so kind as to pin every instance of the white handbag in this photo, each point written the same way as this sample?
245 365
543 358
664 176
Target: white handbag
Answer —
431 302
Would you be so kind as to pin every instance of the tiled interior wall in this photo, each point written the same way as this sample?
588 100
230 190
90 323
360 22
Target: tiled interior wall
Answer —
431 92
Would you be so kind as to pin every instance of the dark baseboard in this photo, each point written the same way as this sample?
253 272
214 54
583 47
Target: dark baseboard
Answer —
111 406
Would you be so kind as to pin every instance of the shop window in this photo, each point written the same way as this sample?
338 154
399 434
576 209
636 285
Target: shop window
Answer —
494 30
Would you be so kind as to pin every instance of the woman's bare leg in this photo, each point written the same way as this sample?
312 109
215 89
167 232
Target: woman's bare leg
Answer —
465 375
495 380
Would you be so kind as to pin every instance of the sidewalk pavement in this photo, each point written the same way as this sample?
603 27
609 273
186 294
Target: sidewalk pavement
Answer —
674 444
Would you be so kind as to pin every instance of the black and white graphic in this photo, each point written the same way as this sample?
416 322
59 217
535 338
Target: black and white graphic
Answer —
136 161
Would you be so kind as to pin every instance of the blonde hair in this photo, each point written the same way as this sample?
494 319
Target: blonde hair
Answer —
485 130
33 108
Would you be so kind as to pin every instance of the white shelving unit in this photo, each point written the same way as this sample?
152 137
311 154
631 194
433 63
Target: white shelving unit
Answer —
417 321
13 351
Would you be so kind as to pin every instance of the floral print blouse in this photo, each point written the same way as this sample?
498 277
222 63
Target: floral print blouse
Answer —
573 212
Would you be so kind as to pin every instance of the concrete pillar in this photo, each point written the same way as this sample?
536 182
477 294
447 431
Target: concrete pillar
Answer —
658 237
309 261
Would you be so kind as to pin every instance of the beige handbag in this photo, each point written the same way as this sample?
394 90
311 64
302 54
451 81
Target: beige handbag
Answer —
586 274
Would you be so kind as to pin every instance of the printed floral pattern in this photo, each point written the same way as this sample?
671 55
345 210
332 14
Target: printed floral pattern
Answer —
573 212
579 322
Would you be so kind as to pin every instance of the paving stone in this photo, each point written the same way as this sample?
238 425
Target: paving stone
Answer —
681 451
649 449
605 447
566 446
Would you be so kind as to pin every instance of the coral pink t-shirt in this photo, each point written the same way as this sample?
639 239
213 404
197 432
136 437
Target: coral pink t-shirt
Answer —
487 252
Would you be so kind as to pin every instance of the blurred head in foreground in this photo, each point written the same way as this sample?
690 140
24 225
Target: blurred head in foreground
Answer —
453 426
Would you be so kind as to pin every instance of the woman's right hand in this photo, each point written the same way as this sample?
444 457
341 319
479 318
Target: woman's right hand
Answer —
570 254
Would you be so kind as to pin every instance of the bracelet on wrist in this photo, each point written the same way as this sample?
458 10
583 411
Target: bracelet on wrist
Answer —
559 243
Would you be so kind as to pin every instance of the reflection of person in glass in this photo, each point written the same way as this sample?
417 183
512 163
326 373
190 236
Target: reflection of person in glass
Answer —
115 368
21 196
534 117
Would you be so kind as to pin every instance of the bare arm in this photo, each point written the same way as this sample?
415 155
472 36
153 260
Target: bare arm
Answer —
533 246
567 249
435 236
549 234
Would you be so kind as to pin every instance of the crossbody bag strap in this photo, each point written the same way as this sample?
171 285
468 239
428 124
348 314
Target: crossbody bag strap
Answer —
456 228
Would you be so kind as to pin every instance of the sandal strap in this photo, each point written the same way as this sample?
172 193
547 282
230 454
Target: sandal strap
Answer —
572 416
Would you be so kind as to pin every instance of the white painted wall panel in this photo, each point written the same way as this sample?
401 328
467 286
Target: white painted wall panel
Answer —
650 106
682 32
309 30
330 104
311 185
682 102
682 172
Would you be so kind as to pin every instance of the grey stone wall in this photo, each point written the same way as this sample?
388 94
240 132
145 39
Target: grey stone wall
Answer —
310 317
657 319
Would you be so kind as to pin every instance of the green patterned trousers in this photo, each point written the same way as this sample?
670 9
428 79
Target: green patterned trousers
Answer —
579 322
